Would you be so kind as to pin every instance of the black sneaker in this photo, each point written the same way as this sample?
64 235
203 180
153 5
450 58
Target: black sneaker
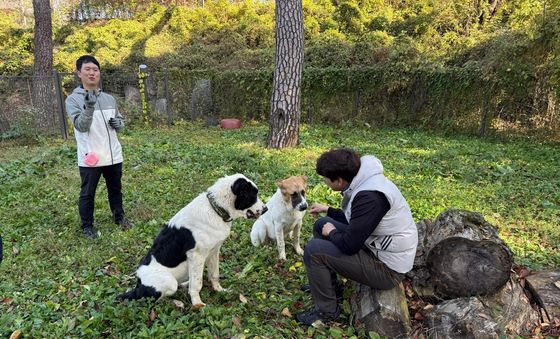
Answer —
124 223
316 318
339 290
90 232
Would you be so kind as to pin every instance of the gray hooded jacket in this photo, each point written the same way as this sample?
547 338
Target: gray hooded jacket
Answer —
91 128
395 238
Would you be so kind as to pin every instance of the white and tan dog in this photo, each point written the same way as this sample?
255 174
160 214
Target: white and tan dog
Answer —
285 213
192 238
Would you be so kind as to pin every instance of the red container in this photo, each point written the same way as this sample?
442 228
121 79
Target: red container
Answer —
230 123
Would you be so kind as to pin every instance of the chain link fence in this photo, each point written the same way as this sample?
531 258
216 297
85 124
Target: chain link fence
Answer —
21 114
162 98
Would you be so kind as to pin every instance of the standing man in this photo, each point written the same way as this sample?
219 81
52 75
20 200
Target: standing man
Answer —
96 121
371 240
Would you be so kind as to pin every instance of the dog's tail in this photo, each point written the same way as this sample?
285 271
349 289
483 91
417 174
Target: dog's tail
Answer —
139 292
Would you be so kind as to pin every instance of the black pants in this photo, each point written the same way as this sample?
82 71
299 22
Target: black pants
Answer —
90 178
323 261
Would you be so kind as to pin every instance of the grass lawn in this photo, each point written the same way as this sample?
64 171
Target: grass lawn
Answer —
54 283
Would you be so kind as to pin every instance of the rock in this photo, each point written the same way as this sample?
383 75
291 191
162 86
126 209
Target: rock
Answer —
132 94
161 106
547 285
202 103
381 311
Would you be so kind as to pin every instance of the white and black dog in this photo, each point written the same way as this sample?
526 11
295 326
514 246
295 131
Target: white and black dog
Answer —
192 238
285 213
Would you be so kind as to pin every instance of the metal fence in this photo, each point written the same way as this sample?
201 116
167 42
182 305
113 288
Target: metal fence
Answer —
138 98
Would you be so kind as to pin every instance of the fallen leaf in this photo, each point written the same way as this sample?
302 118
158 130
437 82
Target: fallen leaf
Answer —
286 312
298 305
428 307
557 283
15 250
178 303
418 316
7 301
236 321
523 272
242 298
153 315
16 334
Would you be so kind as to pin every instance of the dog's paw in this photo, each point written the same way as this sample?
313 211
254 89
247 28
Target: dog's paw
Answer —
217 287
299 250
196 307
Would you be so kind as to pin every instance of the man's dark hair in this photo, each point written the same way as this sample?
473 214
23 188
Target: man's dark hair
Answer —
338 163
84 59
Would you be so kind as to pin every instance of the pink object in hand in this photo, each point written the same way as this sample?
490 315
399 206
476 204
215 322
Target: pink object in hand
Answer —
91 159
230 123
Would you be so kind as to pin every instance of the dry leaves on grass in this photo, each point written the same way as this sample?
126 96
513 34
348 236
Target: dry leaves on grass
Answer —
151 318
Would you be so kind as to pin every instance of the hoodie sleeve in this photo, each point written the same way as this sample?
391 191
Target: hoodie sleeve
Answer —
368 208
80 115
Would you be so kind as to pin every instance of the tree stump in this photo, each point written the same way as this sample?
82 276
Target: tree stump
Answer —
463 273
547 285
467 225
460 267
505 312
382 311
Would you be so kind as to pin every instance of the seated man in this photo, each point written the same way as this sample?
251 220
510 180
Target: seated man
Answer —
371 240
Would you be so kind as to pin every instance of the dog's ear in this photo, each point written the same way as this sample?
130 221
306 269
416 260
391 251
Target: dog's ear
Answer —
246 193
282 186
240 186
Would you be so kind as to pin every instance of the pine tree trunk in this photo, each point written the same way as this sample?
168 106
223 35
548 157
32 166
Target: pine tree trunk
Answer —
43 63
285 105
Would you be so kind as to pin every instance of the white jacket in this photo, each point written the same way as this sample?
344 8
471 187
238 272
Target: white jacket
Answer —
92 130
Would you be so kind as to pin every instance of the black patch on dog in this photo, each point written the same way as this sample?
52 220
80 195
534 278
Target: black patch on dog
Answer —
245 194
140 291
170 247
297 198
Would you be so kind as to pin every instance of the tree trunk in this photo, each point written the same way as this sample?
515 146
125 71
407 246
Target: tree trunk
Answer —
285 104
43 62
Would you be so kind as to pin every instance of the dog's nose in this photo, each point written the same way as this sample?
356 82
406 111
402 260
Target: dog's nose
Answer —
264 210
303 207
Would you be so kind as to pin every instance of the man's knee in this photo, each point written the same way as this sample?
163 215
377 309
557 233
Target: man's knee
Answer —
313 247
318 226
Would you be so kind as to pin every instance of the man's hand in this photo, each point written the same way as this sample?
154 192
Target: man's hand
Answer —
116 123
318 208
90 99
327 228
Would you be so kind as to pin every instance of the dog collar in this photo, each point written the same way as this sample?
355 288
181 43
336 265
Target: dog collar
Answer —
218 209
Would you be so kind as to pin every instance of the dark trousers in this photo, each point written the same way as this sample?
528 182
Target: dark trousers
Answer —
90 178
323 261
